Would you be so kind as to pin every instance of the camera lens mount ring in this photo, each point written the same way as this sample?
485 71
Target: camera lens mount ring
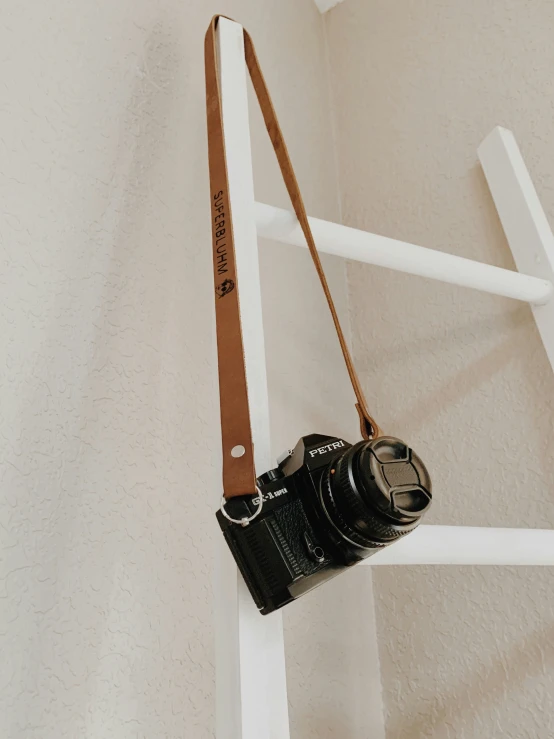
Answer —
246 519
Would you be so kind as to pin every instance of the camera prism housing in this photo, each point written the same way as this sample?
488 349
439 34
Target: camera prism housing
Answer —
327 506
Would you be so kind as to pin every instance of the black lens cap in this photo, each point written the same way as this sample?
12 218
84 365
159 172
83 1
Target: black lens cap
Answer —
392 478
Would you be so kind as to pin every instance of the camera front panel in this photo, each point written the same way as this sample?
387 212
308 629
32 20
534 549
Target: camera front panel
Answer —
281 553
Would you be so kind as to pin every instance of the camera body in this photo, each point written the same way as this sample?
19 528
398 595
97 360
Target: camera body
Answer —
326 506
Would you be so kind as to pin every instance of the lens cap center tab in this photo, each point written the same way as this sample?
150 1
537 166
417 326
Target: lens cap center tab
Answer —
400 473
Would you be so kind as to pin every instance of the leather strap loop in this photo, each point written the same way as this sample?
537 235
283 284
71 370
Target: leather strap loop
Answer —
239 476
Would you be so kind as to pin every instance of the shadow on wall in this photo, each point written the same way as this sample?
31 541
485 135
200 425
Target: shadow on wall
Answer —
483 688
431 405
133 401
459 385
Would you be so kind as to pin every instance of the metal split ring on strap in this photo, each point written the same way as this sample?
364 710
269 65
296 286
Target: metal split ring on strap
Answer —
245 520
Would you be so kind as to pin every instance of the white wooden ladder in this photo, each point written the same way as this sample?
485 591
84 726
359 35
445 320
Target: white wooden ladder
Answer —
250 663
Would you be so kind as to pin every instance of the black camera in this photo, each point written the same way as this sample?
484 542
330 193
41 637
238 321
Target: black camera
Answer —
326 506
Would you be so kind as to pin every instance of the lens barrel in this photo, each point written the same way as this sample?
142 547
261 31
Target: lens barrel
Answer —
376 492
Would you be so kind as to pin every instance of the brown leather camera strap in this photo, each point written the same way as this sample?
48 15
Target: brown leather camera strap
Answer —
239 477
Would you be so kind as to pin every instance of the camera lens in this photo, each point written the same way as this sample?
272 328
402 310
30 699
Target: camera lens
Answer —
376 492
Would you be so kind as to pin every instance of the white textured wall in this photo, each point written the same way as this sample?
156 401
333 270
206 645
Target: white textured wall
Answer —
108 421
465 653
